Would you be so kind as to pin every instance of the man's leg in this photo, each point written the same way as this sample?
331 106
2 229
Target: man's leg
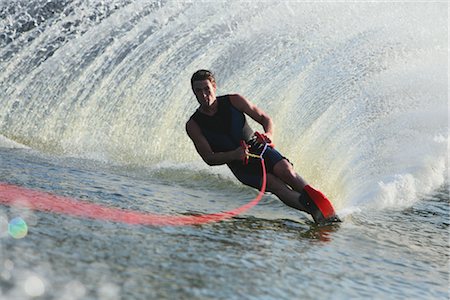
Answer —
310 199
284 170
289 197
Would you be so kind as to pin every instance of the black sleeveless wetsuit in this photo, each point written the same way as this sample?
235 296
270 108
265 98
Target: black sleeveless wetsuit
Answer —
224 132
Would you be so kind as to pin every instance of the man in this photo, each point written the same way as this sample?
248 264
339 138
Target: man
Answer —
221 135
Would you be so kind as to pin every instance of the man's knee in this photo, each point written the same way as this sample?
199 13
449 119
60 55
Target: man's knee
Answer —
284 170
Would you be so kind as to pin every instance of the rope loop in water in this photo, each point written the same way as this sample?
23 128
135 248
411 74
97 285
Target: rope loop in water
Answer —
13 195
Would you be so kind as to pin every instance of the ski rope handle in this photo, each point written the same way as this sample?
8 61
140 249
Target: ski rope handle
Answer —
262 139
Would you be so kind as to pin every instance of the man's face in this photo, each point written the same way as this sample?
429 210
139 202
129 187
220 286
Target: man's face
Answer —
205 92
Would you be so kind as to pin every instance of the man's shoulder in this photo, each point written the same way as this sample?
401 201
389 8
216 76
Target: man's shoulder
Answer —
229 96
222 97
191 125
233 99
191 119
237 100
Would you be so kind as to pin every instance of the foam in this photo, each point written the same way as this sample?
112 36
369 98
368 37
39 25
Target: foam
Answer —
7 143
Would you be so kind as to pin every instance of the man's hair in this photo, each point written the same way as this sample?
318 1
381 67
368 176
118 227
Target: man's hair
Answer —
203 75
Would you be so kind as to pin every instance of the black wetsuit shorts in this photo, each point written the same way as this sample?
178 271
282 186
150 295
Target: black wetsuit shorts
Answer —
251 173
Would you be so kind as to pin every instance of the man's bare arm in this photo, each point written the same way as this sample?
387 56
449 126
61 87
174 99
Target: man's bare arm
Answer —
254 112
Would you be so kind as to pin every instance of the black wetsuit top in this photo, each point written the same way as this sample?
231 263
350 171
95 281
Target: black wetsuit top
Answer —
225 129
224 132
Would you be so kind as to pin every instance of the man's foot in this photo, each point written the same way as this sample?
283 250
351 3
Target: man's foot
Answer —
318 205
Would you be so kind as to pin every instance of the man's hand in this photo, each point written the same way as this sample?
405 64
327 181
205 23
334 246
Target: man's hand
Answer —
264 138
243 152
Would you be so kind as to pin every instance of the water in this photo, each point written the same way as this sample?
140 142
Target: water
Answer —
94 97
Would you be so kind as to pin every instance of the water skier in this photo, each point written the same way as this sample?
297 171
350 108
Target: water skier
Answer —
221 135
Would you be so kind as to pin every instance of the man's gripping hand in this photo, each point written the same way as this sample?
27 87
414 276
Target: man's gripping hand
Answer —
262 138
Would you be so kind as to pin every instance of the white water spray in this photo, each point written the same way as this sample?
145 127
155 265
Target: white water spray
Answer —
358 91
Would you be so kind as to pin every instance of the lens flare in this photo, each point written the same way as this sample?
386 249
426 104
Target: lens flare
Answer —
17 228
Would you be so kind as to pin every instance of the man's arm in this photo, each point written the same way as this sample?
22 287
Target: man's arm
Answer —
254 112
204 149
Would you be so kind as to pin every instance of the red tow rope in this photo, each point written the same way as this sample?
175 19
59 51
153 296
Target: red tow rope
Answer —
13 195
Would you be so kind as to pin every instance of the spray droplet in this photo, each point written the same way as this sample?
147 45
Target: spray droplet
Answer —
17 228
34 286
